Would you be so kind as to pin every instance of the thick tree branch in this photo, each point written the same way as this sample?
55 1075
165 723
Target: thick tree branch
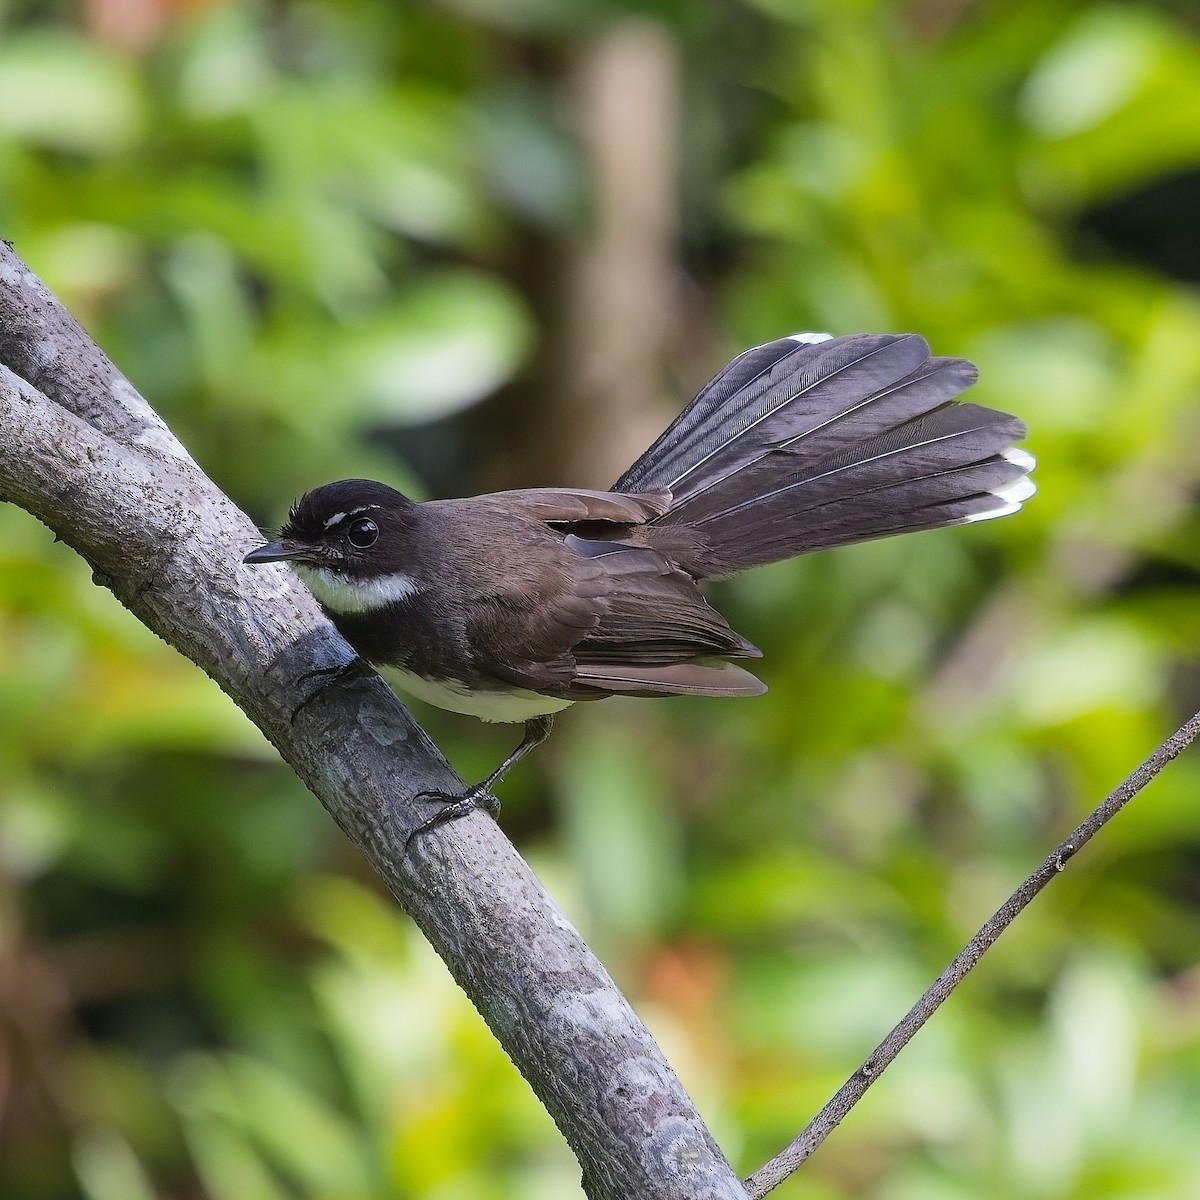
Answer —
94 462
42 343
848 1095
87 455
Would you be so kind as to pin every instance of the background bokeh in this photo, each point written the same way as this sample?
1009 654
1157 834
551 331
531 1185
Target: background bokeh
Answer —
479 243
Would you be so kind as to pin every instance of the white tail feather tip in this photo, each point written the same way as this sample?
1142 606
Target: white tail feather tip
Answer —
1020 458
1017 491
811 339
1002 510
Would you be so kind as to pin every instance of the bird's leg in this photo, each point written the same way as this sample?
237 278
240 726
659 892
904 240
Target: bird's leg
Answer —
479 795
342 673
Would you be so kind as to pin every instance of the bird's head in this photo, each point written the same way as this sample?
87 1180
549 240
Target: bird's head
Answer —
350 543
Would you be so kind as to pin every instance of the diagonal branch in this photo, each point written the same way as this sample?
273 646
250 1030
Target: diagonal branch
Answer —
848 1095
46 346
82 451
95 463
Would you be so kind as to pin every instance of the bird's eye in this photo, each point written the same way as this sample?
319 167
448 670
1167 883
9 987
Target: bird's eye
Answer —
362 533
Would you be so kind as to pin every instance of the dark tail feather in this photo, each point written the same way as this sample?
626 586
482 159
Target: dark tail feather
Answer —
700 677
796 446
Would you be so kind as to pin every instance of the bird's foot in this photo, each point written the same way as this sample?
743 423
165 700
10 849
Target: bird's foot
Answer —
480 794
455 806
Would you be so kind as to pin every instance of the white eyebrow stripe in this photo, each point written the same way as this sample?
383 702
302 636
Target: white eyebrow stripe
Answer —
337 518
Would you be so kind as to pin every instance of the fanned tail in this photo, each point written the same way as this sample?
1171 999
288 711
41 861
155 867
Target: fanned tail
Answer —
802 444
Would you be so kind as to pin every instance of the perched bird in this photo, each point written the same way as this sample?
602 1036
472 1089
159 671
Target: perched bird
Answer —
513 605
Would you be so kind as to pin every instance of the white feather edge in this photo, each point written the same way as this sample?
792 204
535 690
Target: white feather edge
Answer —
510 706
1010 496
1019 458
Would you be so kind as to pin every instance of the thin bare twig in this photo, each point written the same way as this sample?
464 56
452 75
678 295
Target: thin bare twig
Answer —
814 1133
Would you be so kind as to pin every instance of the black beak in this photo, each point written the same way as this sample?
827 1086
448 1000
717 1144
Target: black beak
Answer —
280 551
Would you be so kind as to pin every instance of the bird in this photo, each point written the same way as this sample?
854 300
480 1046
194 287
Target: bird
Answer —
513 605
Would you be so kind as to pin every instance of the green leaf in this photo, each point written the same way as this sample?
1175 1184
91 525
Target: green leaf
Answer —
60 91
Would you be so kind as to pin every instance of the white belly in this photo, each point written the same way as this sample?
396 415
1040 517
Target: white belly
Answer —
514 706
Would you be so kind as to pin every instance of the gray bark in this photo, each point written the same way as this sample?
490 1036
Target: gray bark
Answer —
83 452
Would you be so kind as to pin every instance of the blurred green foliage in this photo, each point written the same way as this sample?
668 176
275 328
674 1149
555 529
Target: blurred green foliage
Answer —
331 238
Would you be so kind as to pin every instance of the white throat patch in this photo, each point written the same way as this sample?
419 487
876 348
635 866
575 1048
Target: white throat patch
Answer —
341 594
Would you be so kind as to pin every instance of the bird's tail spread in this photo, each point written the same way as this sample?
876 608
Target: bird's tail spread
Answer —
803 443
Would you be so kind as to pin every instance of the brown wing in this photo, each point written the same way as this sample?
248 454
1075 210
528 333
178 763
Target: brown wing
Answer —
563 506
583 607
623 619
657 634
695 678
